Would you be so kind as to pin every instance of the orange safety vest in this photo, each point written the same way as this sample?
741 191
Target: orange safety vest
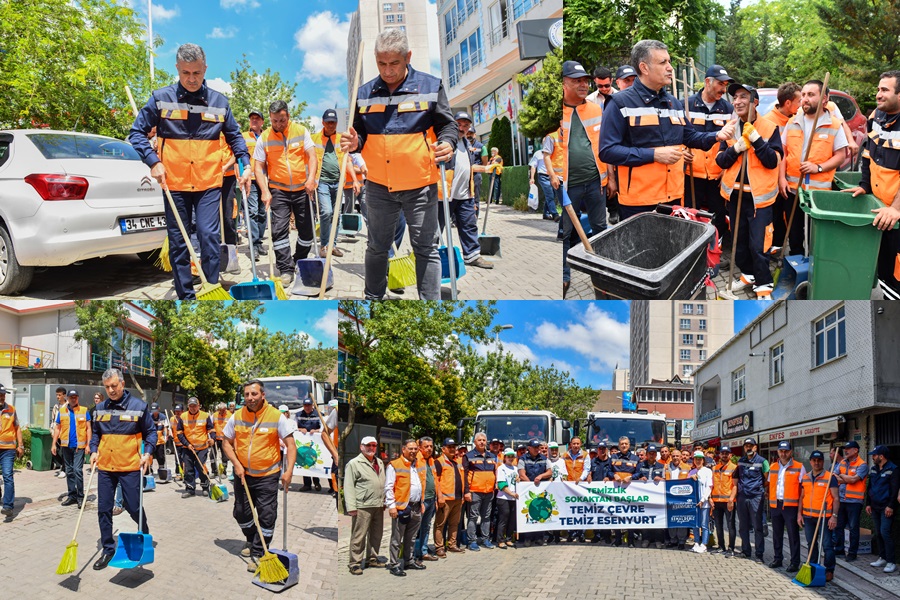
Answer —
160 432
853 491
704 165
256 441
65 418
684 471
120 447
558 156
591 115
429 464
574 467
450 470
403 470
9 427
822 149
654 182
174 427
884 182
220 419
763 181
320 141
812 495
483 478
194 427
723 481
250 138
285 157
777 118
227 155
791 484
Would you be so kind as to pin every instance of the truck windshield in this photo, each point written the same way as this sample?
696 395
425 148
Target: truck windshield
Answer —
284 391
514 429
610 429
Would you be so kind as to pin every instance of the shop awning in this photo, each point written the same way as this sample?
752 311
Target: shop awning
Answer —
793 432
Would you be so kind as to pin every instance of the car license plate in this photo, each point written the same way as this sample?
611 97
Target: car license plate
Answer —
138 224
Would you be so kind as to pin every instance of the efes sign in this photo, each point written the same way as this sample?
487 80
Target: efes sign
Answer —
738 424
555 34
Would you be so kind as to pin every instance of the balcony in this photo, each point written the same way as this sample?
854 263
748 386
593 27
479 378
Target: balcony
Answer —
102 363
515 10
16 355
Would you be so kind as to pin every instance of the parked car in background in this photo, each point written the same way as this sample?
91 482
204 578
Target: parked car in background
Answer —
67 197
846 103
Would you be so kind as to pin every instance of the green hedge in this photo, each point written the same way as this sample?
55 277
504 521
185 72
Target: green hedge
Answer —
20 463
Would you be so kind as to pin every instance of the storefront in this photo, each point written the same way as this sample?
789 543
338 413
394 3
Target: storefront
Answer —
804 438
735 430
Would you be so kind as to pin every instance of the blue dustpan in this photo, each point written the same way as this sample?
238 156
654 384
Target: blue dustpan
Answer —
585 224
288 559
309 273
149 483
818 576
445 267
134 549
351 223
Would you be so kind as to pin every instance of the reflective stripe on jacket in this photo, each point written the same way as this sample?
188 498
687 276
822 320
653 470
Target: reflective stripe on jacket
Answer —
9 426
480 472
822 149
763 180
723 482
854 492
707 119
813 495
285 157
403 470
65 418
451 473
196 429
256 441
118 431
881 151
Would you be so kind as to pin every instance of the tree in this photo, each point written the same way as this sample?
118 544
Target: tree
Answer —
251 90
501 138
541 109
65 65
104 325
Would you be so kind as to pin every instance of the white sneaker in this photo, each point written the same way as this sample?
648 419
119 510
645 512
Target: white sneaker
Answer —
61 475
763 292
878 563
890 568
702 548
742 281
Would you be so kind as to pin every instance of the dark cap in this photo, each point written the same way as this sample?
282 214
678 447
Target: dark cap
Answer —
725 449
73 393
179 406
816 454
750 441
652 448
154 406
881 450
329 116
3 390
520 447
534 444
462 116
625 71
719 72
784 445
573 69
307 401
193 400
495 441
734 87
253 111
601 444
852 444
449 442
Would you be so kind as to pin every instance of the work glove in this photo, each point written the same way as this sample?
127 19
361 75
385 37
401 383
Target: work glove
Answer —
741 145
750 133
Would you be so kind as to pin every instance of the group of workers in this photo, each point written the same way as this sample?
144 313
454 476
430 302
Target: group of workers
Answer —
467 499
642 146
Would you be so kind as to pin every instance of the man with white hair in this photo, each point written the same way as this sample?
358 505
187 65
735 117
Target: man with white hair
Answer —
364 479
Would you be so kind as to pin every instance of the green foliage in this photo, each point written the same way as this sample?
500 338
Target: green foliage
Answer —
513 184
541 109
66 64
19 463
252 90
501 139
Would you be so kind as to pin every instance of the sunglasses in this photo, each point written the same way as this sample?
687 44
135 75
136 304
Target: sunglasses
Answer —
604 86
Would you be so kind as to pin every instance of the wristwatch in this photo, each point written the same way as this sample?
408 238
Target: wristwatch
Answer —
820 168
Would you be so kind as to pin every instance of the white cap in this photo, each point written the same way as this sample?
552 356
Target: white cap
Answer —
283 408
368 440
333 403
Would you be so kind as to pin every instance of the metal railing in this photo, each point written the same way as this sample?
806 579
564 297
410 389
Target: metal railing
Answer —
101 363
515 10
17 355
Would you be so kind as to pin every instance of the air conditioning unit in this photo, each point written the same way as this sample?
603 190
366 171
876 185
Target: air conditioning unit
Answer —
699 341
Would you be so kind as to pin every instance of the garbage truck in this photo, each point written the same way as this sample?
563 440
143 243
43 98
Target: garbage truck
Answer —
514 427
291 391
640 427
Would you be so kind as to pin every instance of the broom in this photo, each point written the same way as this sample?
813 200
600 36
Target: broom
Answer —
401 270
270 569
178 468
70 556
208 291
280 294
804 575
214 492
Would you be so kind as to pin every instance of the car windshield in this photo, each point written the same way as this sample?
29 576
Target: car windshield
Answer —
72 145
513 428
766 103
610 429
284 391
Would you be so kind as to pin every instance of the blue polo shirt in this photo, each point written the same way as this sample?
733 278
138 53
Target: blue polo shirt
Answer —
73 424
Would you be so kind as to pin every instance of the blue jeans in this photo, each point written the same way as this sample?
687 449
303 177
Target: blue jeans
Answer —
205 205
466 226
848 516
327 193
586 197
256 220
495 189
882 527
701 532
809 526
421 547
7 458
73 459
551 196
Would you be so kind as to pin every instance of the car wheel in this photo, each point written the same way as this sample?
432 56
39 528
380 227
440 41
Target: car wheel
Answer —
14 278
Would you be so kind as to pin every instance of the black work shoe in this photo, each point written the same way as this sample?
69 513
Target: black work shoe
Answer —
793 568
398 572
318 487
68 501
775 564
261 250
187 494
415 566
613 217
102 562
356 570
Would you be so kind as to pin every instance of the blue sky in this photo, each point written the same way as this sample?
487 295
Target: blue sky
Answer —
588 339
318 320
304 40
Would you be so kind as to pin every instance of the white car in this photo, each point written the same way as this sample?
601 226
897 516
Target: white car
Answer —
67 197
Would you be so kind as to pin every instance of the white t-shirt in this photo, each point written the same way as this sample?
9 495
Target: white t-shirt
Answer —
510 475
459 187
558 469
705 481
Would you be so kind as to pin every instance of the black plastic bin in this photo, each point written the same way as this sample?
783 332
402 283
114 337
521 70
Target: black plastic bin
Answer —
647 257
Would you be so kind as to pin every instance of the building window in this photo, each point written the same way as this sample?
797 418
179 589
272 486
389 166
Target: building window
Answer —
399 18
470 53
687 309
687 370
701 309
776 365
402 28
685 324
401 6
830 337
702 354
388 18
738 387
687 339
450 24
700 339
453 70
688 396
387 7
702 324
685 355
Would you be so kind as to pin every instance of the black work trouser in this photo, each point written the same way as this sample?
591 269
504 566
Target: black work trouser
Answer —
191 463
264 494
284 204
785 517
721 516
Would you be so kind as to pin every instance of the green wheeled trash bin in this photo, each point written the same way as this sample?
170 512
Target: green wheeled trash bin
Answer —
41 440
844 180
844 244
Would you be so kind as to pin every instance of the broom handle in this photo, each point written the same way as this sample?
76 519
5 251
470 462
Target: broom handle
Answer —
326 438
318 218
737 219
205 470
488 207
84 503
451 254
174 436
187 240
271 245
284 500
821 514
131 101
141 501
249 230
262 539
576 223
687 119
222 218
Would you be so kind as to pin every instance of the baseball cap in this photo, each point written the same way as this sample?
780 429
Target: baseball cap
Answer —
332 403
72 393
734 87
816 454
601 444
462 116
852 444
178 406
553 445
750 441
784 445
725 449
534 444
193 400
329 116
306 401
368 440
509 452
625 71
154 406
882 450
699 454
495 441
253 111
719 72
652 448
520 447
573 69
283 408
449 442
3 390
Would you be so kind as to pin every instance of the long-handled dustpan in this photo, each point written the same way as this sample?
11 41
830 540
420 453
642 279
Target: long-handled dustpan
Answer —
813 574
290 560
490 244
351 222
228 259
311 269
453 262
256 289
134 549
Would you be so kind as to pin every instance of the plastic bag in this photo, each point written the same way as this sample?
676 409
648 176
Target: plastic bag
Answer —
533 201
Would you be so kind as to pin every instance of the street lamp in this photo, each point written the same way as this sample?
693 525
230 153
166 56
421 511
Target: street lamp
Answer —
502 327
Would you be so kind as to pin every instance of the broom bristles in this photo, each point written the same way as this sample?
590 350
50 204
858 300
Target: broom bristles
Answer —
213 291
69 560
270 569
401 272
215 492
280 294
804 575
162 260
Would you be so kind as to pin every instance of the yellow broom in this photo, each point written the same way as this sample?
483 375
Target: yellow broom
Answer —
178 466
804 575
401 270
214 492
280 293
70 556
208 291
270 569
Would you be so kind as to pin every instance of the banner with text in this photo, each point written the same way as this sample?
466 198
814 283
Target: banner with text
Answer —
313 458
606 505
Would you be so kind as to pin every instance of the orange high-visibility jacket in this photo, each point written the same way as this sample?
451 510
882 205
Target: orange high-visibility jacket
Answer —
791 483
256 442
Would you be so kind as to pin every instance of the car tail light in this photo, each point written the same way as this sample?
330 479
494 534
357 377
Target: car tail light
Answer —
58 187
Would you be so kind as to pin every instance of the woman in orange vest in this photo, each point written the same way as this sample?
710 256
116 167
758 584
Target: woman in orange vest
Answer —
73 430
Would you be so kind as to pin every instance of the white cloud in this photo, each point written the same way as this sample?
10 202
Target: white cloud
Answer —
243 326
161 13
313 342
434 32
328 323
239 5
222 34
595 334
562 365
220 85
519 351
323 41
